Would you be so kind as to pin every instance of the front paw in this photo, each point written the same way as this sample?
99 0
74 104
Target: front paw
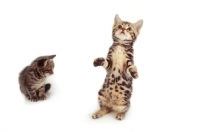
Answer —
34 98
133 71
98 62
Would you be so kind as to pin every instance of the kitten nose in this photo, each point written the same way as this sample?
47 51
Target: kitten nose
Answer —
123 29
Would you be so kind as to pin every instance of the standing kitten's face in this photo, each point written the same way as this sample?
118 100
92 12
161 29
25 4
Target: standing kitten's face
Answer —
123 30
45 64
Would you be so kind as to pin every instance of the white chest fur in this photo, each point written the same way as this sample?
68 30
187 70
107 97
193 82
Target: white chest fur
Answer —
119 57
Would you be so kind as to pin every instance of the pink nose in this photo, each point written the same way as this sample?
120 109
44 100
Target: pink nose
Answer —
123 30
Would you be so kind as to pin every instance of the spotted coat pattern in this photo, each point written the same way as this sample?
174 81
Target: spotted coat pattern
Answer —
117 88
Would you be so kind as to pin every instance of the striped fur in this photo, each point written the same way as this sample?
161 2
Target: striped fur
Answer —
116 91
32 78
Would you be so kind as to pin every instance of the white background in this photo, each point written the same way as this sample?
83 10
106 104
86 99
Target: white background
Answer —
166 96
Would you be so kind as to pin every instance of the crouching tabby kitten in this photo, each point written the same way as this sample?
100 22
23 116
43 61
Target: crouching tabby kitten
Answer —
116 91
32 78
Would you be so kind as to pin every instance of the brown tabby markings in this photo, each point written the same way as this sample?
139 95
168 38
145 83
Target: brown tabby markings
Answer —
117 88
32 78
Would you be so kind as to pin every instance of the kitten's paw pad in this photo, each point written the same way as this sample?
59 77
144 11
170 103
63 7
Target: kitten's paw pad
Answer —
34 99
96 115
47 87
120 116
98 62
42 97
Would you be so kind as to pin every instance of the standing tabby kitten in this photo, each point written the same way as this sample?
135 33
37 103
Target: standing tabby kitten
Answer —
116 91
32 78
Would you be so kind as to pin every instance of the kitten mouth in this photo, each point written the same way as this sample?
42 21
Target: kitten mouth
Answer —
122 33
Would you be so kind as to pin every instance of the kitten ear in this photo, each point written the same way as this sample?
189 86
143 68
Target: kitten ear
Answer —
52 56
117 19
138 25
42 62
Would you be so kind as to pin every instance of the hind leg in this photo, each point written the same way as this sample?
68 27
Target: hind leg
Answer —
120 115
101 112
104 109
27 96
40 93
23 91
121 110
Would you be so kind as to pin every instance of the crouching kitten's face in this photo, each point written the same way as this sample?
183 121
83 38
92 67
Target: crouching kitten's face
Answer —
45 65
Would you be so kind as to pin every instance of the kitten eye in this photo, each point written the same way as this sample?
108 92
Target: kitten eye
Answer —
129 29
120 26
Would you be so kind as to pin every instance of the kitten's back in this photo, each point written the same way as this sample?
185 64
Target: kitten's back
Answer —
22 76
